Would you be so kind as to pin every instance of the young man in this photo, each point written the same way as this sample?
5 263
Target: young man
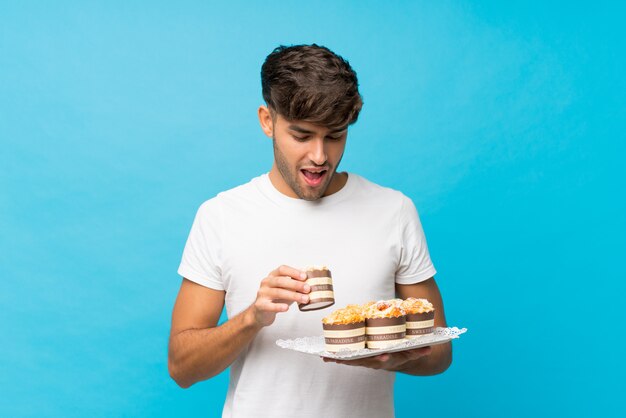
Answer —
302 213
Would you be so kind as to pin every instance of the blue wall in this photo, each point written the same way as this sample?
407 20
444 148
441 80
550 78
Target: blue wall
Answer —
503 121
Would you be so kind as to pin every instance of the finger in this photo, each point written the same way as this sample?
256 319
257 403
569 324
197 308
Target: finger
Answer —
269 306
382 358
418 352
270 289
286 282
289 271
276 293
372 364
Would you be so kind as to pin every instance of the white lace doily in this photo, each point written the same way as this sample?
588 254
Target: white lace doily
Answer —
316 346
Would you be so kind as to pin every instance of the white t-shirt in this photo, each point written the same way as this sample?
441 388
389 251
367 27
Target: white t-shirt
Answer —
370 237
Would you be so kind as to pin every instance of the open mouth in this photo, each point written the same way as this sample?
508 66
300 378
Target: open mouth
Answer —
313 177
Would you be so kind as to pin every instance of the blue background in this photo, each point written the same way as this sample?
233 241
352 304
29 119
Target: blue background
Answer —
504 123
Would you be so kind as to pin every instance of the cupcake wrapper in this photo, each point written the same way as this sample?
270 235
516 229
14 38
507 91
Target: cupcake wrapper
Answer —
419 332
424 316
344 336
322 294
318 273
383 332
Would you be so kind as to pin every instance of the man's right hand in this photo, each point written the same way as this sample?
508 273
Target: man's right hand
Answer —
278 290
200 349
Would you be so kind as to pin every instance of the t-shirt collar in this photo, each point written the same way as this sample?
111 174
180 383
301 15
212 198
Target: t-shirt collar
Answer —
267 188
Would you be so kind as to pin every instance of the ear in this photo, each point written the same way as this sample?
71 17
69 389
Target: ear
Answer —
265 119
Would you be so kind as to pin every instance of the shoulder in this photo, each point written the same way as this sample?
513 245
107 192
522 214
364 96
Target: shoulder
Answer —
236 196
369 190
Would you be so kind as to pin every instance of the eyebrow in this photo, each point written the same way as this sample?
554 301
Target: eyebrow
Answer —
306 131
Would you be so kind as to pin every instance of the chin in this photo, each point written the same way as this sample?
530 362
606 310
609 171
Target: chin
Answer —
314 195
311 198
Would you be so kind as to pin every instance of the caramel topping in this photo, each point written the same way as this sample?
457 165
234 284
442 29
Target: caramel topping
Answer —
415 305
316 268
348 315
391 308
384 309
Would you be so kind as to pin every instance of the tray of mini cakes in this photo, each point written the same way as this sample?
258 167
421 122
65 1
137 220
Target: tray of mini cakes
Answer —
385 326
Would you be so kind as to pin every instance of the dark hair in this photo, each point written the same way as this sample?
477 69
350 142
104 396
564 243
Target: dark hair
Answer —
312 84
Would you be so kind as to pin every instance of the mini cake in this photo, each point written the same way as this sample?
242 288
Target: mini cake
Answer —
321 295
385 324
344 329
420 317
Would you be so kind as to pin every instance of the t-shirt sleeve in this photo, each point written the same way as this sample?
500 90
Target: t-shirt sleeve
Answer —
415 264
201 258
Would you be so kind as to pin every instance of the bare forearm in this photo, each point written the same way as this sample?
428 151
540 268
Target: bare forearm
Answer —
436 362
199 354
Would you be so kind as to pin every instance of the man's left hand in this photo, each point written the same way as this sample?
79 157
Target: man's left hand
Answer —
388 361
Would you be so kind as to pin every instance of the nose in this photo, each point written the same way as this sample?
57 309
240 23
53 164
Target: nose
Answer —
317 152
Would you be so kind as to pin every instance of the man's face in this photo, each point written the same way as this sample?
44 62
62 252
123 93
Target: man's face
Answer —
307 155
